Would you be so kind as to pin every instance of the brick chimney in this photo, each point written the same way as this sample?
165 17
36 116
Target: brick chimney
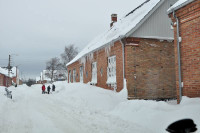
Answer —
113 19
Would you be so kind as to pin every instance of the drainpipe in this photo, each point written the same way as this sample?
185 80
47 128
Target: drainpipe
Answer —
179 58
123 59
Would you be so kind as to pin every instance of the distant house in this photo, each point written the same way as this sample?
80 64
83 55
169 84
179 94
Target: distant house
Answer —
3 79
138 48
13 79
44 77
185 15
59 75
38 80
15 75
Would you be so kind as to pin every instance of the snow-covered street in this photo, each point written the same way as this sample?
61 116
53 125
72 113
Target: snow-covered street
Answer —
81 108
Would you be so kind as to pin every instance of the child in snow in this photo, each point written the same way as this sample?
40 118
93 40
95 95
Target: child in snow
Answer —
53 87
48 89
43 89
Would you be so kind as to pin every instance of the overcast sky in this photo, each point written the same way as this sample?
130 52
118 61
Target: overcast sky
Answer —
37 30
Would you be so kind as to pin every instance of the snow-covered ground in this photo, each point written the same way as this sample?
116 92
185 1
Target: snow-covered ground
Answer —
81 108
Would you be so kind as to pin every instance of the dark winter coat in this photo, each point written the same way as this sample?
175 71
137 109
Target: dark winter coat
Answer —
48 88
53 87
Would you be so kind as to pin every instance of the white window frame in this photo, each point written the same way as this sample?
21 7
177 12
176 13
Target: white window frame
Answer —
70 74
94 73
111 72
74 75
81 74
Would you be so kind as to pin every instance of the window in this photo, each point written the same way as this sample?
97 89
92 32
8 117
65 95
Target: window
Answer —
111 71
86 74
81 73
101 71
70 80
94 73
74 75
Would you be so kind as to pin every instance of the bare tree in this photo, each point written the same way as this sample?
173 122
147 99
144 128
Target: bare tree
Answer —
69 53
51 66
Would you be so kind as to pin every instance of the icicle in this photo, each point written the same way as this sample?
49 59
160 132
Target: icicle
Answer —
83 61
91 57
107 50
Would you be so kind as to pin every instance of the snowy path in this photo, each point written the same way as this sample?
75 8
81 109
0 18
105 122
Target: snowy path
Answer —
32 112
80 108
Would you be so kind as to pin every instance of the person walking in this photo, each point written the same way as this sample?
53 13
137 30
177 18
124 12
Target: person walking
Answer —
53 87
43 89
48 89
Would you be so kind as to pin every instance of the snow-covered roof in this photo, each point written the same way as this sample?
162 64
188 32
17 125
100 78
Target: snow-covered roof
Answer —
178 4
120 29
14 71
4 71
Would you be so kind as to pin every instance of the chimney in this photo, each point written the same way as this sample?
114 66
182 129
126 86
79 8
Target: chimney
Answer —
113 19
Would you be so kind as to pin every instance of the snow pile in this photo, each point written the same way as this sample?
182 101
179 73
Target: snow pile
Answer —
89 96
156 116
78 107
119 29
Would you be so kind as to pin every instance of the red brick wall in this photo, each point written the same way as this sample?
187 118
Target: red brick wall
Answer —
101 58
150 71
189 17
14 79
3 80
152 62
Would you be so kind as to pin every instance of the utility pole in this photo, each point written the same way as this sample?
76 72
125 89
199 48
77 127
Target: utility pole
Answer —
9 68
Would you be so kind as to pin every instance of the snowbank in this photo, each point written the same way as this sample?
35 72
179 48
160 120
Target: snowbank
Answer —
158 115
78 107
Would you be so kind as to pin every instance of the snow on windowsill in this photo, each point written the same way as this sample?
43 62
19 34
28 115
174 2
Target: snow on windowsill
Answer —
111 80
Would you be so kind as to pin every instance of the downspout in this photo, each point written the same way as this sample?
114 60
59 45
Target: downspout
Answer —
179 57
123 59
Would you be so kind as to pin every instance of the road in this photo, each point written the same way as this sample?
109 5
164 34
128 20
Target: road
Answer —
68 110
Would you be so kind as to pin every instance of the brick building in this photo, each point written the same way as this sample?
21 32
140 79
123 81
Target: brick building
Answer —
138 48
4 78
15 75
185 15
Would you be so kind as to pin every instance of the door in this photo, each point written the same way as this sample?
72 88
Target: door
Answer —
94 72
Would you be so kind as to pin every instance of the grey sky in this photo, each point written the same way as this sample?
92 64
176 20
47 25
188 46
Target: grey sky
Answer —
38 30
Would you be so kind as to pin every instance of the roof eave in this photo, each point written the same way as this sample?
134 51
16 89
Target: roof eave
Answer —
179 6
109 43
